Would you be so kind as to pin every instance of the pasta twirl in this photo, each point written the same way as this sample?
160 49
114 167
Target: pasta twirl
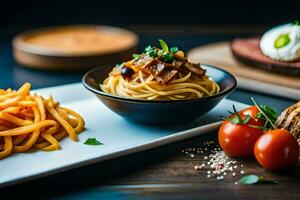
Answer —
159 74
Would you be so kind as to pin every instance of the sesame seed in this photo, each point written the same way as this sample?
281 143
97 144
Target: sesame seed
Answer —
197 167
217 163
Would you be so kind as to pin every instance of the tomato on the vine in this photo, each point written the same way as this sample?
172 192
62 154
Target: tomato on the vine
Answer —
238 133
276 149
252 111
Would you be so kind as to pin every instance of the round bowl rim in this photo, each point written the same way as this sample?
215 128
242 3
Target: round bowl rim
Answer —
99 92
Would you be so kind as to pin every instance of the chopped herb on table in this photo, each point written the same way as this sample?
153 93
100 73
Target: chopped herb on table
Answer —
92 141
254 179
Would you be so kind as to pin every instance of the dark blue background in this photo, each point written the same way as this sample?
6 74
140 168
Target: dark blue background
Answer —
17 16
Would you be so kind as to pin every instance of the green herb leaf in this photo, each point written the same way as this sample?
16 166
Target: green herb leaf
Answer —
247 119
271 112
153 53
148 48
254 179
174 49
119 65
163 45
230 112
266 113
237 113
282 40
296 23
249 179
234 120
168 57
136 56
92 141
237 119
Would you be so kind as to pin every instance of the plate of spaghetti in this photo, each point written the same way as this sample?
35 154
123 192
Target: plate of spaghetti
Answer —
158 84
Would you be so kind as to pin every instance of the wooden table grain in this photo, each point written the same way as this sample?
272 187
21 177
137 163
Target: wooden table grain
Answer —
163 173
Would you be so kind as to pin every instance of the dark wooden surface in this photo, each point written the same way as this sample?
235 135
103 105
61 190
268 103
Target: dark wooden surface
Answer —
176 178
161 173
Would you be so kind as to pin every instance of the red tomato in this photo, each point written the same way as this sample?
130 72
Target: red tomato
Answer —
276 149
237 140
252 111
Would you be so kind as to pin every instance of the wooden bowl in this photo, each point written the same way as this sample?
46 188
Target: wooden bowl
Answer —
73 47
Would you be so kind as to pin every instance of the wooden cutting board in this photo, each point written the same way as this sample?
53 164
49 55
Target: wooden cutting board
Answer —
219 54
247 51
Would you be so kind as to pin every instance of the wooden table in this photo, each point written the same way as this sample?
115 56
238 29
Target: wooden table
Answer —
163 173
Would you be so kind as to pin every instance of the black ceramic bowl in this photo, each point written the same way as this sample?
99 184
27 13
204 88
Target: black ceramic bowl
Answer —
160 112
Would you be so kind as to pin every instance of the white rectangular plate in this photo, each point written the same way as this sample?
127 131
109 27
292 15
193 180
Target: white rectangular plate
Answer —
119 136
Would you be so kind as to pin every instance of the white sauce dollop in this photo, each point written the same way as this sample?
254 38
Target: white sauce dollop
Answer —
289 52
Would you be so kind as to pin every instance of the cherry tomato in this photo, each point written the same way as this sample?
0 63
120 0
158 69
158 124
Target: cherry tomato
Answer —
276 149
252 111
238 140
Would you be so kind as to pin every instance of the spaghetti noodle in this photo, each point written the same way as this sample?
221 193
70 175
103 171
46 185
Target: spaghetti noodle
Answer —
29 121
159 74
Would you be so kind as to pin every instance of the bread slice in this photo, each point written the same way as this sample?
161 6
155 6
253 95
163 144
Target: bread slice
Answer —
290 120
